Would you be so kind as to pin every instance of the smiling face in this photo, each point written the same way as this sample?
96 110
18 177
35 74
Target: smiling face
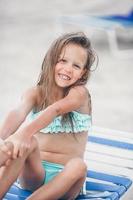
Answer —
70 66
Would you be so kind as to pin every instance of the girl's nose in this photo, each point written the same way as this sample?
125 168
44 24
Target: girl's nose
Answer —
68 68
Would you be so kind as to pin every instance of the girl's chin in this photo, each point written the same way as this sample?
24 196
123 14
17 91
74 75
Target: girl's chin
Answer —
64 85
61 85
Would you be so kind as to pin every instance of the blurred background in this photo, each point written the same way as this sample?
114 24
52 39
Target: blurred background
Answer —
28 27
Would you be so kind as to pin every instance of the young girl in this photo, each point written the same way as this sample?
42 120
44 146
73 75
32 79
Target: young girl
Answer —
46 149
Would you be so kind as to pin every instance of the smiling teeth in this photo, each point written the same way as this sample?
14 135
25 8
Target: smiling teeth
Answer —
64 77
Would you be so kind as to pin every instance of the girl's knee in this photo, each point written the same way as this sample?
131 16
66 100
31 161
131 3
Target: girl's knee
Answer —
77 165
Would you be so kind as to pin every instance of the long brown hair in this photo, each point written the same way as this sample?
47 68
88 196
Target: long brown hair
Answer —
46 79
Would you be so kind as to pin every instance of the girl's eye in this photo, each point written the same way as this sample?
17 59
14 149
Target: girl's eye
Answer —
62 61
77 66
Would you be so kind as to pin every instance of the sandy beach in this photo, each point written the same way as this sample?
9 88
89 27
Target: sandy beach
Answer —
27 30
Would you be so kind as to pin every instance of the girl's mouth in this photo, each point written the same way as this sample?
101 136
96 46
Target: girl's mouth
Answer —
64 76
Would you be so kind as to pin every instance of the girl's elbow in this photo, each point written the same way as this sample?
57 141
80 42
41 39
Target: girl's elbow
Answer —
58 110
55 110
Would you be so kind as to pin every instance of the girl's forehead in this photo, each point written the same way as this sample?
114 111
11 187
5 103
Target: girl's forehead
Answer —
68 47
74 51
72 48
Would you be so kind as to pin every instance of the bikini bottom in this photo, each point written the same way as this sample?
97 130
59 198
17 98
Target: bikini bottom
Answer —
51 170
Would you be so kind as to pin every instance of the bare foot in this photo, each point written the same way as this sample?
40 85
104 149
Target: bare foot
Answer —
6 149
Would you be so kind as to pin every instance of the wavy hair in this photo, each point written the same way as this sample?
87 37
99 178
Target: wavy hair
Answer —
46 77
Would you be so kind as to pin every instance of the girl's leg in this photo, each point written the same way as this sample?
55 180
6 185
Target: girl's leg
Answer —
66 185
32 174
8 174
75 190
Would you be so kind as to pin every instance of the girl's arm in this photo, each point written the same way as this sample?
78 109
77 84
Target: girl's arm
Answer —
17 115
73 101
22 137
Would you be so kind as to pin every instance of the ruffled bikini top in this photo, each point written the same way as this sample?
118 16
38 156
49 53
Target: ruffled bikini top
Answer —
81 122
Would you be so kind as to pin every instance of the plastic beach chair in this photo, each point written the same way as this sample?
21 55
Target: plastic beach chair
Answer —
117 27
101 183
111 152
125 26
124 20
110 188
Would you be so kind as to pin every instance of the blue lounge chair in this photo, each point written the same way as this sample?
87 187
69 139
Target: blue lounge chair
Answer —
100 185
124 20
125 24
116 27
104 190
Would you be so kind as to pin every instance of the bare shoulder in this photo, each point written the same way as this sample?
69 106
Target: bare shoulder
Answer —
80 92
28 101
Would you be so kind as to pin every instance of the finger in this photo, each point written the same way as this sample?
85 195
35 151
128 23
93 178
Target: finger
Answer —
15 152
4 148
7 148
9 145
24 148
21 151
3 157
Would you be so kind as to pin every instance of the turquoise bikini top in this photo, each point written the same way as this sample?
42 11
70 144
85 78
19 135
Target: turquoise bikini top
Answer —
81 122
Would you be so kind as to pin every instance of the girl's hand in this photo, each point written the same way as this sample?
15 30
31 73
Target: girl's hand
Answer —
6 149
4 146
21 144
